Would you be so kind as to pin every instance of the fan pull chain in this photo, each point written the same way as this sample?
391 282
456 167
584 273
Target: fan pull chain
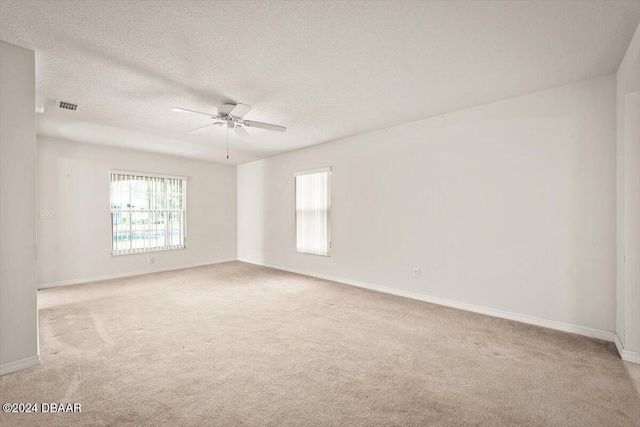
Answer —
227 141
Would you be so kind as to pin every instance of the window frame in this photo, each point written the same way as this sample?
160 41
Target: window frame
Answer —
184 180
329 170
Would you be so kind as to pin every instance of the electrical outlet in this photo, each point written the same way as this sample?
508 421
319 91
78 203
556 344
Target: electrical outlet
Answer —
416 272
151 260
47 215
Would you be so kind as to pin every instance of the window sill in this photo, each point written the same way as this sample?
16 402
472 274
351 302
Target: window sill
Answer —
149 252
309 253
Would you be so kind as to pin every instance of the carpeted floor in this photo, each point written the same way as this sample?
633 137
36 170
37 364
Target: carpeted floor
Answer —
236 344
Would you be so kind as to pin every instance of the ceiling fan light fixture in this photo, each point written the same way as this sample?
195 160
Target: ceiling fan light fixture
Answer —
232 115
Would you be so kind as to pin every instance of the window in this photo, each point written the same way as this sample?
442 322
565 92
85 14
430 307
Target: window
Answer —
147 212
312 211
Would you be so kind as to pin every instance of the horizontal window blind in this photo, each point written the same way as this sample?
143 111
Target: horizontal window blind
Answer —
312 212
147 213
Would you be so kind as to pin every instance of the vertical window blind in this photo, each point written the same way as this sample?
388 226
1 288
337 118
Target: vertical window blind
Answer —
147 212
312 211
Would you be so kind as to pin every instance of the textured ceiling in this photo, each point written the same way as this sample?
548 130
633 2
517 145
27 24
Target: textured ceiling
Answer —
326 70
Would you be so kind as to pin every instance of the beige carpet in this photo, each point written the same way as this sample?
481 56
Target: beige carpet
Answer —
235 344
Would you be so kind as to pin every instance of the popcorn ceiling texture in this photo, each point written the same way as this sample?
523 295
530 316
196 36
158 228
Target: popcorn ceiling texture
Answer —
235 344
326 70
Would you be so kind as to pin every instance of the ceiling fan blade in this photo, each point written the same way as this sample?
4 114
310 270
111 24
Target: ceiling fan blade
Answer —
240 110
202 127
252 124
184 110
242 132
226 108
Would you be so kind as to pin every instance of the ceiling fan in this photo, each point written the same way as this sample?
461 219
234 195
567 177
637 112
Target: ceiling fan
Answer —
232 115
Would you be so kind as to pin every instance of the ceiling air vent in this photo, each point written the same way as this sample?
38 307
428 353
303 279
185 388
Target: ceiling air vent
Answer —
66 105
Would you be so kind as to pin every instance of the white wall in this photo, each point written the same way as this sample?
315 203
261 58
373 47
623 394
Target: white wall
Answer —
628 201
18 309
508 206
73 182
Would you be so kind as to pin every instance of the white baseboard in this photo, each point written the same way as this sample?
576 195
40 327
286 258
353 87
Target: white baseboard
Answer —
551 324
127 274
17 365
627 355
